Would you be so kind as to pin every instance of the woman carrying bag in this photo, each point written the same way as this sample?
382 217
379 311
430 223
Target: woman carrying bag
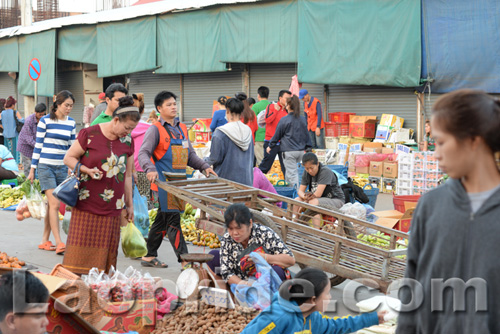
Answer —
106 154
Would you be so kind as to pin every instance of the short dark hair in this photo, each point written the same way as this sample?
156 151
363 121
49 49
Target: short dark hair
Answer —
310 157
251 101
263 92
235 106
283 92
115 87
25 286
60 98
468 113
162 97
238 213
131 113
317 277
40 107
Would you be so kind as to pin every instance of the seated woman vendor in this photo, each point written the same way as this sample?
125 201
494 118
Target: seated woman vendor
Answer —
323 184
242 238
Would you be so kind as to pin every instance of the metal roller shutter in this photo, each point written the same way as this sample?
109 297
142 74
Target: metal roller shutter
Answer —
72 81
278 77
375 101
7 86
200 90
151 84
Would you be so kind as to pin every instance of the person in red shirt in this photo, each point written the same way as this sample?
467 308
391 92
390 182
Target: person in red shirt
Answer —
314 116
273 114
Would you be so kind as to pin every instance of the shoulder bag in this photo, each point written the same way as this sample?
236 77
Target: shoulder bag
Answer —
67 192
19 125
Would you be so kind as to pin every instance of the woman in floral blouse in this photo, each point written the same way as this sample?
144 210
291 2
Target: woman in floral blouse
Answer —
106 154
243 237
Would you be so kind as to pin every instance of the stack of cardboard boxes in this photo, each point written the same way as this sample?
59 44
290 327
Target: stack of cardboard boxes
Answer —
418 173
388 123
383 175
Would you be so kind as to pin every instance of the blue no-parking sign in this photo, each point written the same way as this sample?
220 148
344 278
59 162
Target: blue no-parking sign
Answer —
35 69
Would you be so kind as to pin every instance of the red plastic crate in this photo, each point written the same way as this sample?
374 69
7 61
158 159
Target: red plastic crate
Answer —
340 117
399 201
336 129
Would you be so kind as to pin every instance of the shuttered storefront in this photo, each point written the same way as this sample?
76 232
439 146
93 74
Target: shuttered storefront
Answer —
72 81
278 77
8 88
151 84
375 101
201 89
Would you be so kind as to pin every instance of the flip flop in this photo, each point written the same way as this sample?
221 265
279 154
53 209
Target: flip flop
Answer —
48 246
154 263
60 249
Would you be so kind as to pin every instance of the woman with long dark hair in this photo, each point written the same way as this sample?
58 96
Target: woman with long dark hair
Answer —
455 227
294 139
54 135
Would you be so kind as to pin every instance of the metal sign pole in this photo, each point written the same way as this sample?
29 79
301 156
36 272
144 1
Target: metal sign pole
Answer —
36 92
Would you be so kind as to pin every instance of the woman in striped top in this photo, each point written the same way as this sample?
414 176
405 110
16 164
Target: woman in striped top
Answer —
54 135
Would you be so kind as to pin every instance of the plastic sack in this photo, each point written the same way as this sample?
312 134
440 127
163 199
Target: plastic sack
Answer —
258 295
141 214
356 210
99 282
164 301
120 288
133 244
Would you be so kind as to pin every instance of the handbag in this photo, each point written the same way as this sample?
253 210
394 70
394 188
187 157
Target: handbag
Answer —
67 192
19 125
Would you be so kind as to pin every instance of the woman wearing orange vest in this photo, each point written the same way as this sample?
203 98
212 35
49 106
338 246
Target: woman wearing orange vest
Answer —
166 150
315 124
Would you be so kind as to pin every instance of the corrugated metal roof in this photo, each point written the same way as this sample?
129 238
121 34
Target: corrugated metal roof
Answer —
118 14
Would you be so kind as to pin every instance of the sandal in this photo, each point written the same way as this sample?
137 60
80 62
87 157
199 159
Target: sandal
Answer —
154 263
48 246
60 249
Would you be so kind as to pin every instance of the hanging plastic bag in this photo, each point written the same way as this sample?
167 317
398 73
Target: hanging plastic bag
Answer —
36 204
66 220
141 214
258 295
22 210
133 244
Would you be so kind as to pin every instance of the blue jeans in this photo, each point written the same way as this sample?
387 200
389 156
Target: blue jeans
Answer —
317 141
51 176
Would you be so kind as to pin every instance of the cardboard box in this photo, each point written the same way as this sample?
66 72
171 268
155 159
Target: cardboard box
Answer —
376 168
383 132
375 182
363 126
392 120
395 219
390 170
372 150
363 170
387 150
138 316
373 145
61 318
331 143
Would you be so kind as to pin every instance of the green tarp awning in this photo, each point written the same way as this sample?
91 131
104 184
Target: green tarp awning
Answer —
43 47
189 42
263 33
126 47
78 44
9 55
360 42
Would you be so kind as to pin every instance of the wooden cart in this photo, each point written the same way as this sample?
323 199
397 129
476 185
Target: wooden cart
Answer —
338 252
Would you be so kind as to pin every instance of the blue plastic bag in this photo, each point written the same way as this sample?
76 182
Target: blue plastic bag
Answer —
141 215
258 295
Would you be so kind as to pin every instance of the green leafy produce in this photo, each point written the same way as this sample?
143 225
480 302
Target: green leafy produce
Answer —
26 187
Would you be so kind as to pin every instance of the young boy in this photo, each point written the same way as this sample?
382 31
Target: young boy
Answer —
23 304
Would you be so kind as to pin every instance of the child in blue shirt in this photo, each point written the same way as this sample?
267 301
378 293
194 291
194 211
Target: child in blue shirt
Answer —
291 314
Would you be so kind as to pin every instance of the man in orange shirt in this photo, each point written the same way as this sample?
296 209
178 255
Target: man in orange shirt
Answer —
274 113
314 116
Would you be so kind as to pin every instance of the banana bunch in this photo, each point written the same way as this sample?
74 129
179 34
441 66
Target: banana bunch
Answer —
196 236
359 181
10 196
381 240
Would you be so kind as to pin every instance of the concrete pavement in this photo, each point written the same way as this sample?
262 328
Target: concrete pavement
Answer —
21 239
